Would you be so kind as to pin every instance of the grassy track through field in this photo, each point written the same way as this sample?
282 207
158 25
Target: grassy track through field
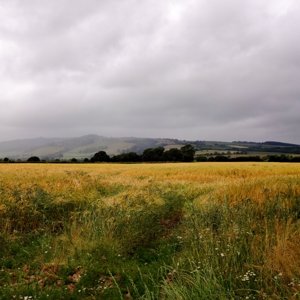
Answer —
150 231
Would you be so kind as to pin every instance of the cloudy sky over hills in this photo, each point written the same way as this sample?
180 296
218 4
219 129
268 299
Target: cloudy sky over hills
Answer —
193 69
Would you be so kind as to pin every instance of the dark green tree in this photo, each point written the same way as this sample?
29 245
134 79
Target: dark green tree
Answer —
188 153
173 154
126 157
33 159
100 156
153 154
201 158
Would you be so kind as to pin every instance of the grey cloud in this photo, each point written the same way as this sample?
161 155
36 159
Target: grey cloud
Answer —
194 69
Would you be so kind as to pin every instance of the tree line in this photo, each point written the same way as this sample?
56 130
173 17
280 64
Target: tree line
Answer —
159 154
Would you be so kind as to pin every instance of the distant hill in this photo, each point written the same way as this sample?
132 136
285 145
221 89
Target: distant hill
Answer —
86 146
78 147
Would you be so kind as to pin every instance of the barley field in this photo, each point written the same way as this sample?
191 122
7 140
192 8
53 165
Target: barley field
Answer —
150 231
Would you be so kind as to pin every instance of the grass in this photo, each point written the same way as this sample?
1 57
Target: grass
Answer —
150 231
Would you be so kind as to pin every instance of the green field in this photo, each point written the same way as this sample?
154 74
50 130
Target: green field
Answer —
150 231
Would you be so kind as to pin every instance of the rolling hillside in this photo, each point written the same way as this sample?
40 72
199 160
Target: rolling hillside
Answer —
79 147
86 146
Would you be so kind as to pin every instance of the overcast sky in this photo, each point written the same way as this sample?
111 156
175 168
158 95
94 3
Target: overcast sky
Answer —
193 69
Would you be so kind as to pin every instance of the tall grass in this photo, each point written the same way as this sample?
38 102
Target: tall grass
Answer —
171 231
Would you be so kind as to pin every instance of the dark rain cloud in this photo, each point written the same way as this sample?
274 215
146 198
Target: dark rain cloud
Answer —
195 69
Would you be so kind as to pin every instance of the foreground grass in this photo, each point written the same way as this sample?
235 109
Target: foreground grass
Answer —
161 231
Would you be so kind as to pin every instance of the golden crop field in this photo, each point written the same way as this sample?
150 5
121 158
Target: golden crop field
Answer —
150 231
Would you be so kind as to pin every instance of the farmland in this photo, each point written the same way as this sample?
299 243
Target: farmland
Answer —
150 231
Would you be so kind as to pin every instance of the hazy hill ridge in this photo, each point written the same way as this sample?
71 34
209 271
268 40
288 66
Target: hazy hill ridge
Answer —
86 146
